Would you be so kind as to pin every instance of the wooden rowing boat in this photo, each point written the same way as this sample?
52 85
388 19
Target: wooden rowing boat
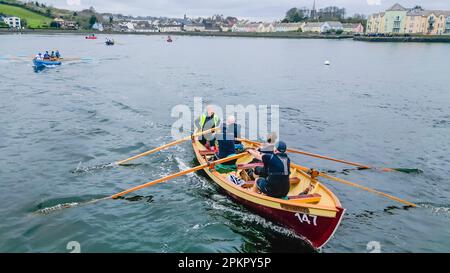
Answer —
311 210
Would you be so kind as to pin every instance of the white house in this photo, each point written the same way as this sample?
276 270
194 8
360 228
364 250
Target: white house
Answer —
170 28
253 27
194 27
13 22
126 26
322 27
98 26
287 27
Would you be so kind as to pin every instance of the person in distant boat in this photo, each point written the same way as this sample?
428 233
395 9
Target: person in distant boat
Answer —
46 55
227 139
38 57
52 56
278 170
208 121
57 54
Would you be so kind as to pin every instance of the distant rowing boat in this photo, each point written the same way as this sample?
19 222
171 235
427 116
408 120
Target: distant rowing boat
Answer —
314 215
45 63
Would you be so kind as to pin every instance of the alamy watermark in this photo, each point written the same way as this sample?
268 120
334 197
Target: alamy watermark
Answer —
256 121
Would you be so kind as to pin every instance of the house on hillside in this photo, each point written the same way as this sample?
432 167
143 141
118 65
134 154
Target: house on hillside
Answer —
98 26
13 22
63 24
144 26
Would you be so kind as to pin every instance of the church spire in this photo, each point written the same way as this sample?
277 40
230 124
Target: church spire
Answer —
313 11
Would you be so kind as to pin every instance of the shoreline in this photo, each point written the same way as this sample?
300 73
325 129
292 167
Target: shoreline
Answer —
280 35
405 39
270 35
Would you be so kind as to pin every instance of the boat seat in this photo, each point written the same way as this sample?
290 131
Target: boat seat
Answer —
249 166
207 152
307 198
249 184
294 180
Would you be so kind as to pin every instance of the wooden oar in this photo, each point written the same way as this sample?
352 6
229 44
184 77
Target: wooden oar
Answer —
151 183
327 176
360 166
166 146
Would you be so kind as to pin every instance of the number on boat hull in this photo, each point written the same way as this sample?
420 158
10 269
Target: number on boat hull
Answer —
305 218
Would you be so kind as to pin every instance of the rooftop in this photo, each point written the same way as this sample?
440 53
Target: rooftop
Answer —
397 7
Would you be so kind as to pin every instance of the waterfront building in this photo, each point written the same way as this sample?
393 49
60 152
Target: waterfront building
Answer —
353 28
398 19
13 22
249 27
288 27
170 28
322 27
194 27
375 23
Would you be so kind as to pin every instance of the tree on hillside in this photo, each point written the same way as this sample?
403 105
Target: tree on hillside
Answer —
75 14
93 20
48 12
331 13
294 15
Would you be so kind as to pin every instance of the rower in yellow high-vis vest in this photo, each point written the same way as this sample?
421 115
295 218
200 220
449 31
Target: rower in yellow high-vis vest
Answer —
208 121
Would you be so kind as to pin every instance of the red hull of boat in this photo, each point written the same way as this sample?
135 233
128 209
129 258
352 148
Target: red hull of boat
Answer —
317 231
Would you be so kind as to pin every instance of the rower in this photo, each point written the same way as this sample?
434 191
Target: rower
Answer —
268 146
46 55
265 148
38 57
227 139
208 121
57 54
277 183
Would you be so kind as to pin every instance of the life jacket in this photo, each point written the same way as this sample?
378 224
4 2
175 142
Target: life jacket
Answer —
286 165
203 120
225 141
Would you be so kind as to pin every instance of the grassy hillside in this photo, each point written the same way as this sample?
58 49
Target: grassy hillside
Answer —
34 20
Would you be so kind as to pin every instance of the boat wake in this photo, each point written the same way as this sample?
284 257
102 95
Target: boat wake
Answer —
81 169
438 209
51 206
250 218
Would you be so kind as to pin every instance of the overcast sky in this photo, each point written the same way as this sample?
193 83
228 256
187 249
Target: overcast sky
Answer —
252 9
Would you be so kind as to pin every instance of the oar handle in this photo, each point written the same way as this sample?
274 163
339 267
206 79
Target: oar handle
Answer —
163 179
166 146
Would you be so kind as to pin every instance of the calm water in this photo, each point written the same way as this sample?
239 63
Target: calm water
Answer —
380 104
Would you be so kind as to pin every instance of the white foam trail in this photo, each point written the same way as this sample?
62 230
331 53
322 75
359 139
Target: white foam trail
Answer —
57 207
253 218
437 209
